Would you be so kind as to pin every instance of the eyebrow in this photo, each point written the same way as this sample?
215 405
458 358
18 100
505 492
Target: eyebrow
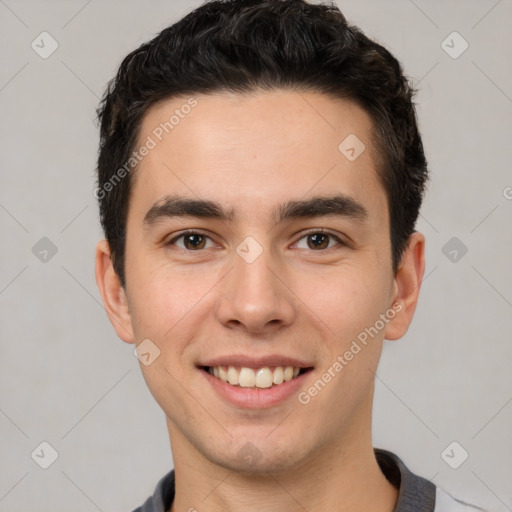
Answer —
176 206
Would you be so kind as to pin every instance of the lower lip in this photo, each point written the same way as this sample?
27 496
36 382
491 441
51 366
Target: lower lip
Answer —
255 398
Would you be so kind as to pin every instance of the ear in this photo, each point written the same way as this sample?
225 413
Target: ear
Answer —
407 283
112 293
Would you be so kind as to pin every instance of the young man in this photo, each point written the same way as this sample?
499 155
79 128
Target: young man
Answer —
260 176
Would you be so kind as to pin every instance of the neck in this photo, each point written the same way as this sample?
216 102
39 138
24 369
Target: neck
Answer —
339 478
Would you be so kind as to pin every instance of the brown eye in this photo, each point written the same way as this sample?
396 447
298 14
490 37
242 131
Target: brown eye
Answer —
319 240
194 241
191 241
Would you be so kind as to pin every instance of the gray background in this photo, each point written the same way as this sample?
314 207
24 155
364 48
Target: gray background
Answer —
66 379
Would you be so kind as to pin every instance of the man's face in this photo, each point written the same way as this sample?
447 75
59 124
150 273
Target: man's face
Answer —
269 283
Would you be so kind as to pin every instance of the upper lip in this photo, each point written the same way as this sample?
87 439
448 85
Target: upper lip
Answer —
255 362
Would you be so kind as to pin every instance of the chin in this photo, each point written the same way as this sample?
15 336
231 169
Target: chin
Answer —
258 457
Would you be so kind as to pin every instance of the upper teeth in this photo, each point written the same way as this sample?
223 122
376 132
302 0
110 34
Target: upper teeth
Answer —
248 378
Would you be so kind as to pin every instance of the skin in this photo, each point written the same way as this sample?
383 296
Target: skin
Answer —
250 153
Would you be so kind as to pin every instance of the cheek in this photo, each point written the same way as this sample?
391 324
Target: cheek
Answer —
346 300
349 303
169 304
168 307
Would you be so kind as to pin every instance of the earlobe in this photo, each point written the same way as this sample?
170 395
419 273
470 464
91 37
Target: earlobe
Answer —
407 283
112 293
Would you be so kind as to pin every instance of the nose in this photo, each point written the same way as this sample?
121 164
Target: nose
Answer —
255 296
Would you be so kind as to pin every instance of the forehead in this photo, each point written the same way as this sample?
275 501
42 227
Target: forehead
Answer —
252 150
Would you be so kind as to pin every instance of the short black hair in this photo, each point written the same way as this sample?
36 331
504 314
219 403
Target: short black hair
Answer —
243 45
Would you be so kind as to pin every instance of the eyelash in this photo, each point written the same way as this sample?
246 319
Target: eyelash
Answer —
305 235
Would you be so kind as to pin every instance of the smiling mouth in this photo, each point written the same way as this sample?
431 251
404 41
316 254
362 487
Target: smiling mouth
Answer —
261 378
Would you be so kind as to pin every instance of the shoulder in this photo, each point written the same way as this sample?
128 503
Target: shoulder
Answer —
162 498
415 493
447 503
